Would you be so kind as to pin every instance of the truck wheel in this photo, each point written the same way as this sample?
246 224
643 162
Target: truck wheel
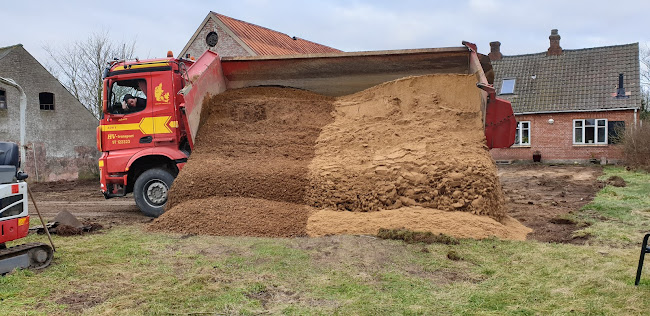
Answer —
150 191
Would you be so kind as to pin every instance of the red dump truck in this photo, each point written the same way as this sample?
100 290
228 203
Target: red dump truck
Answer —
145 146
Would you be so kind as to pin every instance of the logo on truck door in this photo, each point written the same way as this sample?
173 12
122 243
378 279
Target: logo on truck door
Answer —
160 94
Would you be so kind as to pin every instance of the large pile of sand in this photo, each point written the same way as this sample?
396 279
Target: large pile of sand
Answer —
248 173
283 162
416 141
255 142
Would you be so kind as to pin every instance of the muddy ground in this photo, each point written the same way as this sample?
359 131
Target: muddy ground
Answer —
84 200
537 195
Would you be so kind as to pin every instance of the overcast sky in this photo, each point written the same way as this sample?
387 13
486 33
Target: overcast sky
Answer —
158 26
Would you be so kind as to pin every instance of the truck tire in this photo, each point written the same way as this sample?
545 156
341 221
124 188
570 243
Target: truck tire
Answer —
150 191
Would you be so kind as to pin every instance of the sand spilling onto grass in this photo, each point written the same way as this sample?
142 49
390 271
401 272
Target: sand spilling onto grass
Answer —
456 224
281 162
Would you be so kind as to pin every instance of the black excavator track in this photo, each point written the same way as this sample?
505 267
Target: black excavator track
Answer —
26 256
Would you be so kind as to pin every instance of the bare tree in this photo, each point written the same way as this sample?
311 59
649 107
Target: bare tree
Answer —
80 65
645 76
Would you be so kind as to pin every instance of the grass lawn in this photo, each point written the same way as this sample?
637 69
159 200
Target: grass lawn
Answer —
618 216
129 271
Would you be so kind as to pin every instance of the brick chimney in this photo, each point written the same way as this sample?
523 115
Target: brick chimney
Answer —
554 49
495 51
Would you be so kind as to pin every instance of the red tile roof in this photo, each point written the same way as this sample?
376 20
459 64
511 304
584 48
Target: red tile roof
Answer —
265 41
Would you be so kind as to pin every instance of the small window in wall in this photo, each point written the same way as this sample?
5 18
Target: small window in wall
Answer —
3 99
590 132
508 86
46 99
522 137
615 132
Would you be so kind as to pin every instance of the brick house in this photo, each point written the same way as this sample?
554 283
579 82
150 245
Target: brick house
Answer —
568 103
239 38
59 130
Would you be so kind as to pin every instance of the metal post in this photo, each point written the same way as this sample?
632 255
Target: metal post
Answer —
43 222
23 109
644 250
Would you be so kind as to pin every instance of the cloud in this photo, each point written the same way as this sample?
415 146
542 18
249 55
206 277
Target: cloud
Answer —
521 26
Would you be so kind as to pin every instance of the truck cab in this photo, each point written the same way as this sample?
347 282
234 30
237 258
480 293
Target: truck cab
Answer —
143 147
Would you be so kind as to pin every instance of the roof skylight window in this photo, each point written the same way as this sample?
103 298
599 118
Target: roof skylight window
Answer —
508 86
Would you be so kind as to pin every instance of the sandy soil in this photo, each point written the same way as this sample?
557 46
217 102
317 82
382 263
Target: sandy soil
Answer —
416 141
412 142
453 223
237 216
254 143
536 195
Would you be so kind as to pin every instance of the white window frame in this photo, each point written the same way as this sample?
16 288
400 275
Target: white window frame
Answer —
520 134
514 82
583 130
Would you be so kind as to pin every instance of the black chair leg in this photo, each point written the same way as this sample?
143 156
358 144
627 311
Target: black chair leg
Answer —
644 250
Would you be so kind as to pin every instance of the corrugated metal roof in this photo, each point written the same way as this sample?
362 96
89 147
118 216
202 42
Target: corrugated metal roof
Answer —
265 41
577 80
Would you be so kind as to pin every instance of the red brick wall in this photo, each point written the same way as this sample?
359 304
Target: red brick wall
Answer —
555 141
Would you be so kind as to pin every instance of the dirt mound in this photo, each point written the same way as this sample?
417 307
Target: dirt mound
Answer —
409 153
236 216
416 141
616 181
255 144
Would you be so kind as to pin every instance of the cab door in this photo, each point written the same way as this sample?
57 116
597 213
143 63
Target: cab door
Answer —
164 114
128 129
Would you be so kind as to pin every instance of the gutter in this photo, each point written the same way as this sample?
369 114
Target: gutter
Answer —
575 111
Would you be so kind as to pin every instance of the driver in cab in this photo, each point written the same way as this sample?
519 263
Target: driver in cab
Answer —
131 104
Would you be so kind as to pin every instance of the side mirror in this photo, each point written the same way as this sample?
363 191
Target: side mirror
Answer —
20 176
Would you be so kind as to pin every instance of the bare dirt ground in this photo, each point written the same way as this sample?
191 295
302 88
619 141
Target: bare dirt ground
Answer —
536 195
540 195
83 199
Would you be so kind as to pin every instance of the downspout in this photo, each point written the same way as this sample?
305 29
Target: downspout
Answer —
635 118
23 108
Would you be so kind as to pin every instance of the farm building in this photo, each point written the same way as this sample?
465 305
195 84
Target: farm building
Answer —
569 104
59 130
239 38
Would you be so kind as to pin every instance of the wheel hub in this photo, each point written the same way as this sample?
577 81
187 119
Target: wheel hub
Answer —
157 192
40 255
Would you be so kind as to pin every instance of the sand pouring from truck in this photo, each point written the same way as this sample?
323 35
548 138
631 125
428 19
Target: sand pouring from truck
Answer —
152 108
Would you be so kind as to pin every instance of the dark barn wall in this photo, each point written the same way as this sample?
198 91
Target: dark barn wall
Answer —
61 143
